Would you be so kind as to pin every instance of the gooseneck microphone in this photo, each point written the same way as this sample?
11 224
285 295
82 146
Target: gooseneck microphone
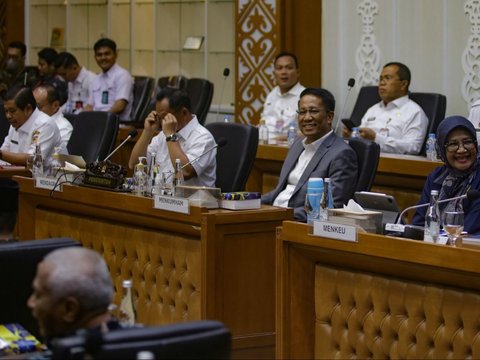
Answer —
350 85
131 135
220 143
226 72
470 195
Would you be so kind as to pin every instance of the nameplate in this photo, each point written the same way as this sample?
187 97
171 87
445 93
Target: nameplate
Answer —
335 231
48 183
395 227
170 203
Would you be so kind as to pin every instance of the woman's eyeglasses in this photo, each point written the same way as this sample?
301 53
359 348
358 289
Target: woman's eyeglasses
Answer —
453 146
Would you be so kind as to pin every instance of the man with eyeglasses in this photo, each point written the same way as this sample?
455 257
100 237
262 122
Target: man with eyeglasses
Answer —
321 153
396 123
172 132
281 103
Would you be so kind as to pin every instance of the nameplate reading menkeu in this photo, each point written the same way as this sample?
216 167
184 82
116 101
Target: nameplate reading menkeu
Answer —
169 203
335 231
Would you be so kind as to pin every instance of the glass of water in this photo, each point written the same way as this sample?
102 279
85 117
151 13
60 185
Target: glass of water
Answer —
453 225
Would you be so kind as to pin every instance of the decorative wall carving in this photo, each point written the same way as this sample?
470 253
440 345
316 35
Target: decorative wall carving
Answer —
256 46
471 54
367 55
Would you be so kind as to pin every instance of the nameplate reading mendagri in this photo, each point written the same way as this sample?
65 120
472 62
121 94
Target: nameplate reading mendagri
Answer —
169 203
335 231
48 183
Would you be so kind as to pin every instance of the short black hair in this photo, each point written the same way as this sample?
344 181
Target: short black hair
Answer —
66 60
48 54
177 99
105 42
403 70
327 97
22 96
18 45
286 53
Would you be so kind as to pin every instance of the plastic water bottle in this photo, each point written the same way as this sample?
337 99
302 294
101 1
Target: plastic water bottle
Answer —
291 135
140 177
432 219
312 199
126 314
327 199
37 168
262 133
430 147
355 132
226 119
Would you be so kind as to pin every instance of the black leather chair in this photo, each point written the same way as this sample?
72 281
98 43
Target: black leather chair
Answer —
176 81
368 155
4 124
367 97
93 135
18 266
434 106
200 92
143 87
235 159
191 340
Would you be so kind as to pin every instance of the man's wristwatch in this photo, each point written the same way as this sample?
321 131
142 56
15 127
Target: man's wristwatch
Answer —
173 137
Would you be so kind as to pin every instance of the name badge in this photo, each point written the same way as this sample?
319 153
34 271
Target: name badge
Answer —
105 97
170 203
335 231
14 142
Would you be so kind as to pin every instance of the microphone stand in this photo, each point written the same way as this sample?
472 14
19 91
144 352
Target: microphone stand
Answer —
198 157
119 146
339 120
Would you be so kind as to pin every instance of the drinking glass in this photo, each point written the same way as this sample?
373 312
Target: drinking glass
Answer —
167 183
312 206
453 225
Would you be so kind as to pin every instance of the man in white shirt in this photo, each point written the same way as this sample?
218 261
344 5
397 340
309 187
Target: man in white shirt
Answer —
28 126
79 81
48 101
111 90
396 123
282 102
181 137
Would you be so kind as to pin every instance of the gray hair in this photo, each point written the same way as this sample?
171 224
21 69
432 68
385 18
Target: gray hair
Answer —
81 273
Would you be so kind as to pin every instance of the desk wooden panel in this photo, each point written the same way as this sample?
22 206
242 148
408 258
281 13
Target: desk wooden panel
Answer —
211 264
400 175
10 170
298 253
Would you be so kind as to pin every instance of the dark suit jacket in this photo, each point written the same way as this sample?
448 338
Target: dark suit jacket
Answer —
334 159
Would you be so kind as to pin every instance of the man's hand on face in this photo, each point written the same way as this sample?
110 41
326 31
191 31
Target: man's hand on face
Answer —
169 124
152 122
367 133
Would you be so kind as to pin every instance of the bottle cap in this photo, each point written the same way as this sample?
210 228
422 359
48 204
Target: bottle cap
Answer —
315 184
431 135
127 283
434 192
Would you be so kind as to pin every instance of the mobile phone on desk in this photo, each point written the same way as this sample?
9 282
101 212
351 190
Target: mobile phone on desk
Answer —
348 123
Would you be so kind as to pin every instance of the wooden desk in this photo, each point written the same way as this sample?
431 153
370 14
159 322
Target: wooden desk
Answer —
400 175
12 170
211 264
436 282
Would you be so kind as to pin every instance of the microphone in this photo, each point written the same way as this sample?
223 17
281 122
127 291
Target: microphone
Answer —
226 72
350 84
470 195
131 135
220 143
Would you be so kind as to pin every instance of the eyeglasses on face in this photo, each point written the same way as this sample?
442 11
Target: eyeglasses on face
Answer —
314 112
453 146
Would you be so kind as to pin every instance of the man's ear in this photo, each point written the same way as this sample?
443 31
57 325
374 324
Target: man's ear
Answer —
70 308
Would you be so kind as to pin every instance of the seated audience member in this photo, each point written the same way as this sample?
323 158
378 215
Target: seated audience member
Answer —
111 90
457 147
79 81
13 72
47 74
396 123
8 208
28 125
281 102
181 137
320 154
72 290
48 101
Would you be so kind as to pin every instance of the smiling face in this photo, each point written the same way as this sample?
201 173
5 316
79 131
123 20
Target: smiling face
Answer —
463 157
105 58
315 122
286 73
